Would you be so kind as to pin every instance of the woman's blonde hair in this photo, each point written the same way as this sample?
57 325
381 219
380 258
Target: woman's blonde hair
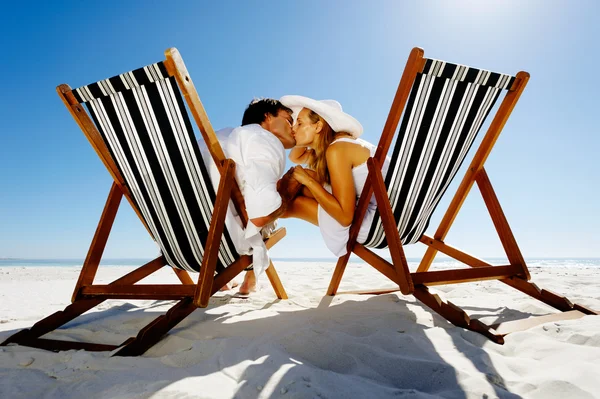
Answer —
318 162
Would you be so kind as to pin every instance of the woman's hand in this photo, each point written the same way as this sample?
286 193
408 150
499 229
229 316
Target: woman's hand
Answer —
301 175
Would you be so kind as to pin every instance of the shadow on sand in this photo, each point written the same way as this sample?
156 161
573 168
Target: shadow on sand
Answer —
373 347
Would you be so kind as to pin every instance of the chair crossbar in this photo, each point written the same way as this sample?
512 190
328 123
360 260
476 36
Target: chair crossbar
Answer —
452 252
123 82
455 276
56 345
463 73
382 265
140 291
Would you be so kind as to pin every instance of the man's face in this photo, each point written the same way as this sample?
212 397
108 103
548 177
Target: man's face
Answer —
281 127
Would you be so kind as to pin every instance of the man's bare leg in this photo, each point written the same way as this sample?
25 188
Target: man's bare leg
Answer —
228 286
302 208
249 284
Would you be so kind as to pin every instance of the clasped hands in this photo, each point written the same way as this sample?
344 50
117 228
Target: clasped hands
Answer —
291 183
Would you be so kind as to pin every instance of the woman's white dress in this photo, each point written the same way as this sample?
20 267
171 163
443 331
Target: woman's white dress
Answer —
334 234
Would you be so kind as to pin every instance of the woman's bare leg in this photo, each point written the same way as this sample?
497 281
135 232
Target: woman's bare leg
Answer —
304 208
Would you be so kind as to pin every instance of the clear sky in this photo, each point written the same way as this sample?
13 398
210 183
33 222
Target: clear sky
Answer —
544 167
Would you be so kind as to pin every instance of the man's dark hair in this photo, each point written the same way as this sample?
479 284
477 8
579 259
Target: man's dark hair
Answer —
259 108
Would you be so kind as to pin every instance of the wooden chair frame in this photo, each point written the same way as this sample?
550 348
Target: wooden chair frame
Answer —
189 295
515 274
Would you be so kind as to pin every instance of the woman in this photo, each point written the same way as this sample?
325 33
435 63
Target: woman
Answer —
327 141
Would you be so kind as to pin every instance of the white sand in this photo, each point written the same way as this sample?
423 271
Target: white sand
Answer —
308 346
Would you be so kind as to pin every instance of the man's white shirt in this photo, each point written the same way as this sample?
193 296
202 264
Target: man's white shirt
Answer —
260 162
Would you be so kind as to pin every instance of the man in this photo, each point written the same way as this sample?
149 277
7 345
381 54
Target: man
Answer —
258 149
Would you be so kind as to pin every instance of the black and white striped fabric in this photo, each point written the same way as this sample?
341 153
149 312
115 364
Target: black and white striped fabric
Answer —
144 123
446 108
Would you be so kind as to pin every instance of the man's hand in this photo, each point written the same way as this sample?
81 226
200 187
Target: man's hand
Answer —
288 187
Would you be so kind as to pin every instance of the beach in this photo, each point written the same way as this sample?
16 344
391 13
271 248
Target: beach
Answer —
309 346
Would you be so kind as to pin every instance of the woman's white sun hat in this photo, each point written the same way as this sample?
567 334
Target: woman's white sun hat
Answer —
330 110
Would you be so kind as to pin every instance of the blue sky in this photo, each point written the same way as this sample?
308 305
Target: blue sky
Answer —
544 167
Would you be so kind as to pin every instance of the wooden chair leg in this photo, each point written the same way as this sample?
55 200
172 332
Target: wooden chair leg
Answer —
336 279
276 282
391 230
155 331
496 332
52 322
507 238
29 336
92 260
183 276
454 314
273 239
548 297
215 232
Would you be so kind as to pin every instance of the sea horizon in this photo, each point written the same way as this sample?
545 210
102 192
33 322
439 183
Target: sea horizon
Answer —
440 260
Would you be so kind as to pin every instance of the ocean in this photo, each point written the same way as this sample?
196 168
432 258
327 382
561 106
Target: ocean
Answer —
413 262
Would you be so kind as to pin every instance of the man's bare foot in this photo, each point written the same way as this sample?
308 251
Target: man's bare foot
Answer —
249 284
230 285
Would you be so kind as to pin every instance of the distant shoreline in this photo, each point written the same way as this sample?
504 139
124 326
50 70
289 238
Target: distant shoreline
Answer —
317 259
440 261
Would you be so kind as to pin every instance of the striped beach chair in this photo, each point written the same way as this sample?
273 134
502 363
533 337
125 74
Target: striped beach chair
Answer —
444 106
138 124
